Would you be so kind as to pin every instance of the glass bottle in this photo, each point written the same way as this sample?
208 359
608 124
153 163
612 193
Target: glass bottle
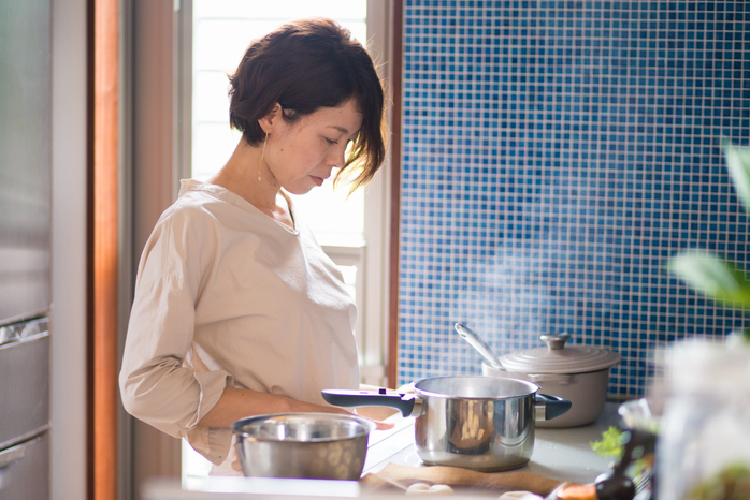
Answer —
705 426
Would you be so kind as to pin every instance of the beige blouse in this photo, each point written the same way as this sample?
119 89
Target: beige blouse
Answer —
226 295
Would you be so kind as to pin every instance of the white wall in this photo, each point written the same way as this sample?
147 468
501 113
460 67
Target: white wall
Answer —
68 318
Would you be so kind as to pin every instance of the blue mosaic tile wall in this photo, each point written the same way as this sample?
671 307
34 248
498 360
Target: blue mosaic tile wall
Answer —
555 155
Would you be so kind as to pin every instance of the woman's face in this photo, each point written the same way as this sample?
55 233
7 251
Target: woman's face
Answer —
300 155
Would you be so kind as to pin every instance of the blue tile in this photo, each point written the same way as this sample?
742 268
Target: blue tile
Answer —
573 150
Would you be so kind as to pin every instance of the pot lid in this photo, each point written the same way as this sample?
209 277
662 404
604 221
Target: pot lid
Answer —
559 358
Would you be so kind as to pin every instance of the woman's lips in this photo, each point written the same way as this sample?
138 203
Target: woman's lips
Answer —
318 180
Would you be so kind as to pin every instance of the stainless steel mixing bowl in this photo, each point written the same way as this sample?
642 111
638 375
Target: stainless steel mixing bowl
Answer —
303 445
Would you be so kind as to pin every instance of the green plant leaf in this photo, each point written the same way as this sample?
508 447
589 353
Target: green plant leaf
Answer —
610 445
738 165
712 276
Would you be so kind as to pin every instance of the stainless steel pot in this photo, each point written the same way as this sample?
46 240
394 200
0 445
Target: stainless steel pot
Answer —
479 423
303 445
578 373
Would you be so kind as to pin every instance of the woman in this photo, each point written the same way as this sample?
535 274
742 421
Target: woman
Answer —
237 310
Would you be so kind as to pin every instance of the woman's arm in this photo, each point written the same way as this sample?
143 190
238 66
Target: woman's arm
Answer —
235 404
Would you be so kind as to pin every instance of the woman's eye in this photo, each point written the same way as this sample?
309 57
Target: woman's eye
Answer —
331 141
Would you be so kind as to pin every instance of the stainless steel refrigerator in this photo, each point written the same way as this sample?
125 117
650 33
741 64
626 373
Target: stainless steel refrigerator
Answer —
25 255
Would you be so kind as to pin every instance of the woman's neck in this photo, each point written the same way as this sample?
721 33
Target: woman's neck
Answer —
241 174
244 175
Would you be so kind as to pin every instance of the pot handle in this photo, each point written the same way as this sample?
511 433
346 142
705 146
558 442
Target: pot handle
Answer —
547 407
348 398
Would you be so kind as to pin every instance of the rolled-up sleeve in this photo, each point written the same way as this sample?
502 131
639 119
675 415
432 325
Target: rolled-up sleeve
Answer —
156 384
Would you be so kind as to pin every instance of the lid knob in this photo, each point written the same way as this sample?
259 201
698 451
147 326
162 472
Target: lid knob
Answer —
555 342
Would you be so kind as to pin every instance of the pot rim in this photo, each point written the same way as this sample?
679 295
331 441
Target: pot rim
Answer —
531 387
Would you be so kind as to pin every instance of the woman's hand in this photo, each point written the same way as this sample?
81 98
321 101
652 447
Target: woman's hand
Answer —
378 415
382 426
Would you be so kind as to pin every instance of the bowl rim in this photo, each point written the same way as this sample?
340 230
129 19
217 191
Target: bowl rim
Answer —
239 427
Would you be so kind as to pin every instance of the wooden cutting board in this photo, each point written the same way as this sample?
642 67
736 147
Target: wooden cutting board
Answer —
401 477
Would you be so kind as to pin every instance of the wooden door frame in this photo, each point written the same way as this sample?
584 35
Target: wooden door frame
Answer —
103 167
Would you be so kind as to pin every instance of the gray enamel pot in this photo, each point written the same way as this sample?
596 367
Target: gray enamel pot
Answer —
479 423
577 373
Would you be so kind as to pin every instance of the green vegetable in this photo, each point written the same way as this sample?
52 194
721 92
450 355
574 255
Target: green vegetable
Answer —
639 464
611 444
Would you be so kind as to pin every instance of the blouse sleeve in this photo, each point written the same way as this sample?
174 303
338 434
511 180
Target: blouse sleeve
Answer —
156 385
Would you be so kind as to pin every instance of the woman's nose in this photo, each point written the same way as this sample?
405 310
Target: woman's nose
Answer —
338 157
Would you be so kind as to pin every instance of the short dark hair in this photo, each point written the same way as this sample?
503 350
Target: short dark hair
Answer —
305 65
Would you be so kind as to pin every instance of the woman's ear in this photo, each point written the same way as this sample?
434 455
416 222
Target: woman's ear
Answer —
271 119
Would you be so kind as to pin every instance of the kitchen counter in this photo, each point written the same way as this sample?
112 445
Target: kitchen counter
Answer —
560 454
